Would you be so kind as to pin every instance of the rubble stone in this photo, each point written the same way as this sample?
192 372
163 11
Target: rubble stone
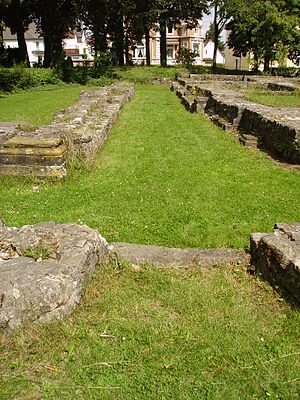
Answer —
276 257
80 129
43 269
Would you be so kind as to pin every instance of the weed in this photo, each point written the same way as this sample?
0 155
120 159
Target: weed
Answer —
40 251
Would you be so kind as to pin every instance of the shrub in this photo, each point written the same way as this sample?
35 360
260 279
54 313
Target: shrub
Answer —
101 64
19 77
186 57
287 72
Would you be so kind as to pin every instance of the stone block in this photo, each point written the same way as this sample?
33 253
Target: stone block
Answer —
276 257
48 285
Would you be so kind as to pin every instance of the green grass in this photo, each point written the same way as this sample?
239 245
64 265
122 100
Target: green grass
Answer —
164 177
270 98
194 334
37 106
144 74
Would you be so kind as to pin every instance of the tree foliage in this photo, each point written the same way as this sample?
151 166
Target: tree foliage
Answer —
264 28
210 35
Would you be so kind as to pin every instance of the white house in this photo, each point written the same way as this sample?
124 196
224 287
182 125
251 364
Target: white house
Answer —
208 53
35 44
76 45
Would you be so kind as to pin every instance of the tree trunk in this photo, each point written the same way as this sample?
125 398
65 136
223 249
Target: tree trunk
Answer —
255 66
17 26
163 43
147 36
266 63
127 55
216 38
47 53
22 46
120 41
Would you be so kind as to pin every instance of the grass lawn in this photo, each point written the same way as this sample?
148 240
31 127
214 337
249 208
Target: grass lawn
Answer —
270 98
164 177
37 106
177 334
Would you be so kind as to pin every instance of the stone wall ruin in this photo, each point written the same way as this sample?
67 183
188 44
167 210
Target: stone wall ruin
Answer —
79 130
276 130
44 267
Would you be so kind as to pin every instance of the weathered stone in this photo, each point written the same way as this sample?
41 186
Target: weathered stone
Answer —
51 286
80 129
277 130
174 257
276 257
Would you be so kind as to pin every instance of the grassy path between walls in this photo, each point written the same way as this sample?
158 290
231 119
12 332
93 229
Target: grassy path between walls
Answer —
164 177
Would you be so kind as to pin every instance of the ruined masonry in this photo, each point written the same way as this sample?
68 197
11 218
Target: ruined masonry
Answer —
44 267
275 130
276 256
79 130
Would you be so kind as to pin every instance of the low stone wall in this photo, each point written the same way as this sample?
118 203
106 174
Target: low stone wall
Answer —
275 130
79 130
276 257
43 269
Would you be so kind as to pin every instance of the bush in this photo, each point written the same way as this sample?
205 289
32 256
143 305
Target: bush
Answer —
101 64
19 77
186 57
286 72
9 57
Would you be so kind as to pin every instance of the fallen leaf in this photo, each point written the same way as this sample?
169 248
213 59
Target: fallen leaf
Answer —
51 369
169 366
136 268
103 316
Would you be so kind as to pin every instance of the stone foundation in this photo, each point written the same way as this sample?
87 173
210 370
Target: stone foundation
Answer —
79 130
276 130
43 269
276 257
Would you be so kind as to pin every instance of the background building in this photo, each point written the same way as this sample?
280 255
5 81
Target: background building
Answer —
76 45
177 38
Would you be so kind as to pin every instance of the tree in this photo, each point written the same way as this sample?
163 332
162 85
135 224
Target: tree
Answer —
210 35
3 7
54 19
17 18
93 13
222 13
171 13
263 28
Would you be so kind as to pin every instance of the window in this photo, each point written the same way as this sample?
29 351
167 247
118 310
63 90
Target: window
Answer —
196 47
37 45
170 52
170 30
183 31
236 63
184 44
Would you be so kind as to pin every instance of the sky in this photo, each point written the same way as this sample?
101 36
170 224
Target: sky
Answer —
206 21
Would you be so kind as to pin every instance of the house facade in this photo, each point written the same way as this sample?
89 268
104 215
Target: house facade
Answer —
208 53
35 44
178 37
76 45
